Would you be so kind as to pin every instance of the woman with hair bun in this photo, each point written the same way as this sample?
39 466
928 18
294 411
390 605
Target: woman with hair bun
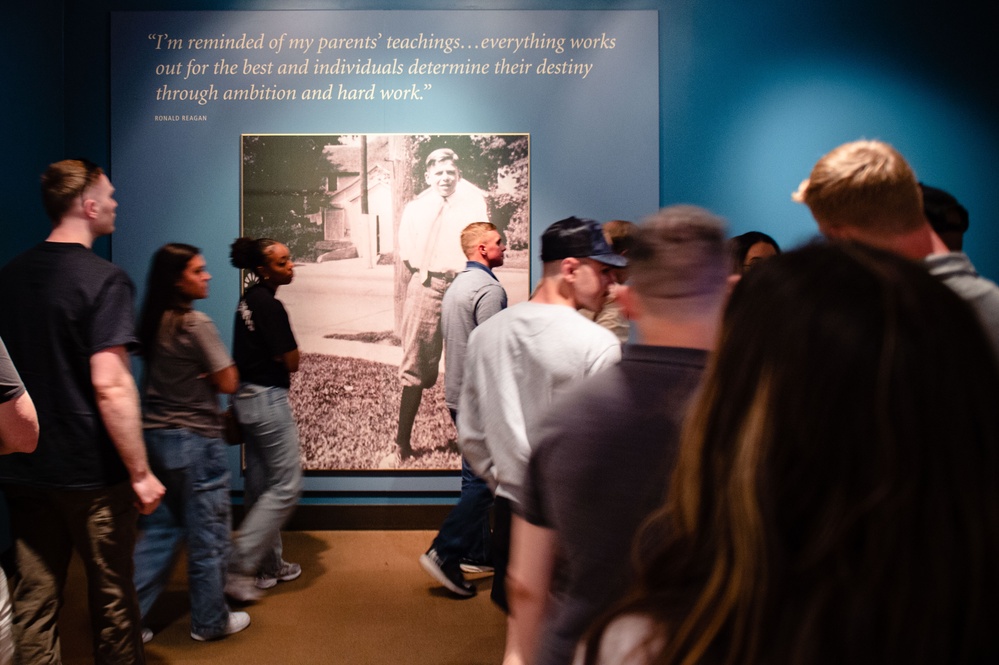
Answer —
186 367
266 354
836 497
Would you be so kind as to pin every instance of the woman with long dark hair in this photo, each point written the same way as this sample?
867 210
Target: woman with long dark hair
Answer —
750 248
266 354
835 498
186 366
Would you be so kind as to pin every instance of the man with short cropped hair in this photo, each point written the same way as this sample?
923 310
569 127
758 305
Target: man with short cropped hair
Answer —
865 191
606 446
68 327
519 360
473 297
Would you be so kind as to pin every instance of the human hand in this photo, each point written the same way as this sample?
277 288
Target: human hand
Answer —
148 493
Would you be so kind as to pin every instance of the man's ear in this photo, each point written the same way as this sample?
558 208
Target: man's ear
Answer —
568 268
89 207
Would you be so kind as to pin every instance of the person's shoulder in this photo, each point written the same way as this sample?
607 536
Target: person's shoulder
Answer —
630 639
497 322
467 190
591 333
196 319
258 293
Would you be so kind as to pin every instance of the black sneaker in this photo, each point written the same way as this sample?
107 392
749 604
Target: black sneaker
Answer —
475 567
447 573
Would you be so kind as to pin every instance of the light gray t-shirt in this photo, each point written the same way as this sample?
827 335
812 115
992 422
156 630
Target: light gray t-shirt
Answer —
178 391
517 362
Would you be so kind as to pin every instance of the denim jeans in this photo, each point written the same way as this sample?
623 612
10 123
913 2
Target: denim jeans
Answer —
196 508
273 476
465 531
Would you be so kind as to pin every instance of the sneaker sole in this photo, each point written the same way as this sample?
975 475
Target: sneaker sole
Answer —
475 569
271 582
435 571
230 630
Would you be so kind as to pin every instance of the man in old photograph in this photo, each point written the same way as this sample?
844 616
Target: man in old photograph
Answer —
430 249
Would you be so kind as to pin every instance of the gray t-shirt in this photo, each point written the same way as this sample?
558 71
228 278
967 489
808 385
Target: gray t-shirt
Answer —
178 391
473 297
10 382
955 270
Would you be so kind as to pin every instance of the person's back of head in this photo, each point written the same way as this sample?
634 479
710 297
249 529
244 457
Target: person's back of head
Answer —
473 235
678 263
65 181
250 254
835 497
866 186
620 235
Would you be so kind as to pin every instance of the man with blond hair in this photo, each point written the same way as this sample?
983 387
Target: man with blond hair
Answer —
614 436
474 296
68 326
865 192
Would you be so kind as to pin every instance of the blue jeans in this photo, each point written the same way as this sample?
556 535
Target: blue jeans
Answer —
196 508
465 531
273 477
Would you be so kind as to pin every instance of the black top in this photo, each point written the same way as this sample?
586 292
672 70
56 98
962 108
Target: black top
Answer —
601 465
64 304
261 335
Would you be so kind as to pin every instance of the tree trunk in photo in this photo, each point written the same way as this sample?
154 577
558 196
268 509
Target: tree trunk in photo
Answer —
401 156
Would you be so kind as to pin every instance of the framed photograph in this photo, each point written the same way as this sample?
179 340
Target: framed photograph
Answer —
360 214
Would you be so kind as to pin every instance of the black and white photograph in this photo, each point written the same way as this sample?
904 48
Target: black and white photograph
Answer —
374 225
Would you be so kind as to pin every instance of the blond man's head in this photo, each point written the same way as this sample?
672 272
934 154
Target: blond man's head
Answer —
865 185
473 235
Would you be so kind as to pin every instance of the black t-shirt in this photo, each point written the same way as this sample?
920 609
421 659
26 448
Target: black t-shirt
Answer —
600 466
261 334
63 304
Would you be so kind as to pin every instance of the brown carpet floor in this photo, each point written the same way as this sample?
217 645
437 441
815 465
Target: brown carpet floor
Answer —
362 598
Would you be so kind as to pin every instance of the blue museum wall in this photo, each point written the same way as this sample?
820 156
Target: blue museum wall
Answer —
751 94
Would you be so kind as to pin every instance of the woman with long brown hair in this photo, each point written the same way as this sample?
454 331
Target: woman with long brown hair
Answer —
186 367
836 495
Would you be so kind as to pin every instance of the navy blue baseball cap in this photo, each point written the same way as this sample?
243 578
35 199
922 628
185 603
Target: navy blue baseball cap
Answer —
577 238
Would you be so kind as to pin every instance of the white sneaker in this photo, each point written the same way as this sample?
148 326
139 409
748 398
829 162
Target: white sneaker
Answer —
147 635
237 622
286 573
